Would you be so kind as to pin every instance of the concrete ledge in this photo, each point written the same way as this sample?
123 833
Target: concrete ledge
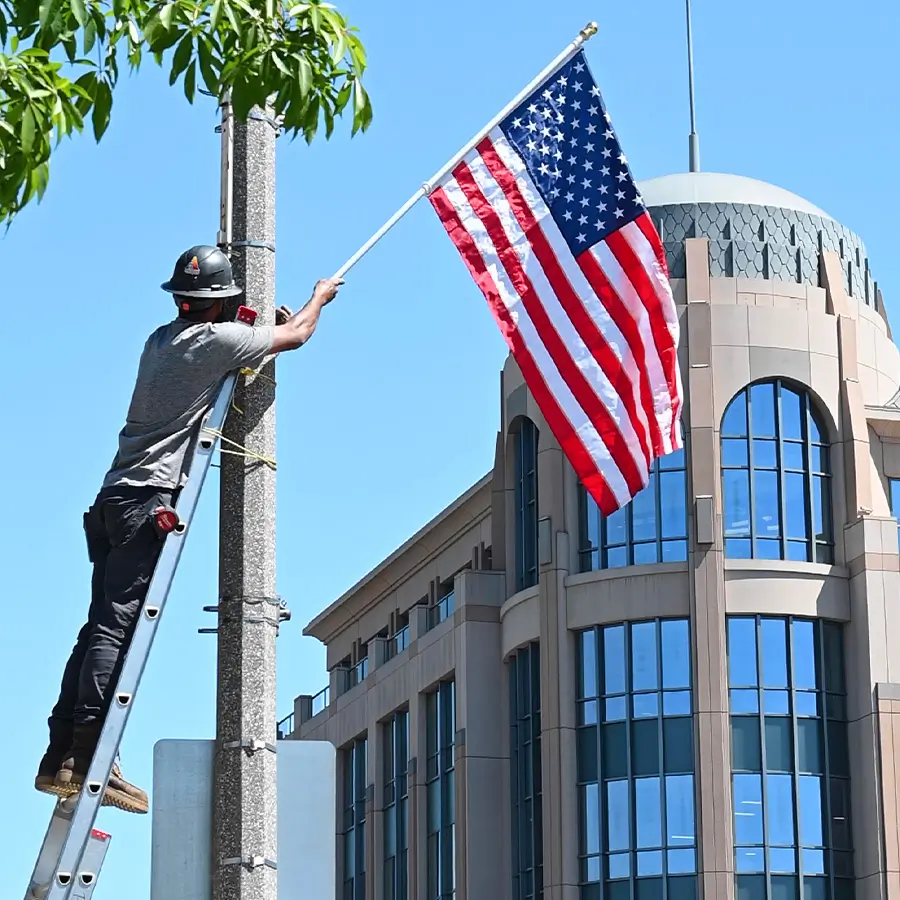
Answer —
783 587
630 593
624 572
520 620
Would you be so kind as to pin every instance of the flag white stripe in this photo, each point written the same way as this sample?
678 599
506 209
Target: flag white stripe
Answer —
570 407
594 375
580 285
642 248
659 385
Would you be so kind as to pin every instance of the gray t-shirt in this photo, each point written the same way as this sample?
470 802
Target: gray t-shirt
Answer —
182 366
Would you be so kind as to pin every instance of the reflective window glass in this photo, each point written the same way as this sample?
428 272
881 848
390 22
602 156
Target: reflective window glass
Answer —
652 528
636 782
525 765
790 784
776 481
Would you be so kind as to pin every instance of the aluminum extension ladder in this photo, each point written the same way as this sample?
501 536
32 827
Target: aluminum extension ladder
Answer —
72 853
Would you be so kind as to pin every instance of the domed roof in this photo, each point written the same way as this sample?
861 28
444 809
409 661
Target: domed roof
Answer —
712 187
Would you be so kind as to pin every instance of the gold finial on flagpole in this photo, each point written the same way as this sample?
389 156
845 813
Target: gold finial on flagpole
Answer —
588 31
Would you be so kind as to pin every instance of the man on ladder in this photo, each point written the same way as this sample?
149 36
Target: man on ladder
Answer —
180 370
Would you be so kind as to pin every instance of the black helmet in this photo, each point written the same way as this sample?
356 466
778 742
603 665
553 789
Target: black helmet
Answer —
202 276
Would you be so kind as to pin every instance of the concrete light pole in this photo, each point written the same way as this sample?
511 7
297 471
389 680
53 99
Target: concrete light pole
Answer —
245 810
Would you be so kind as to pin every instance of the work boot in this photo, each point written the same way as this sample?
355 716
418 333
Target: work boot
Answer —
60 741
45 780
73 770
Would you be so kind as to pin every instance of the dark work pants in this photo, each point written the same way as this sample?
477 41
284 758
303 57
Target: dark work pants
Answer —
124 546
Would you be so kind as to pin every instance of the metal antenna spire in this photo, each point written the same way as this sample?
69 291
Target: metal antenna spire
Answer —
694 150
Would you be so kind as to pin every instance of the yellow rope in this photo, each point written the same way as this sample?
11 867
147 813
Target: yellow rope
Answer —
247 373
258 374
241 450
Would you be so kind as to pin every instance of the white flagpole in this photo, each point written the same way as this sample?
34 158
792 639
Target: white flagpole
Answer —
585 34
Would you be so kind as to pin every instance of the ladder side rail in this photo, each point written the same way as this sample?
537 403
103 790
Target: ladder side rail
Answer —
77 835
45 867
94 855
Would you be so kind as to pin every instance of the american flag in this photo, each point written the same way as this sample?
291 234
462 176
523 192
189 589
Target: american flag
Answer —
550 223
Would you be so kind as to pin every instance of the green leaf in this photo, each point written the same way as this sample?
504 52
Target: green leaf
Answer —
90 36
39 177
190 81
233 19
315 19
28 130
45 9
99 20
279 64
214 15
340 48
304 74
102 108
133 32
312 120
362 109
205 56
242 99
162 40
165 15
79 12
295 11
182 57
343 98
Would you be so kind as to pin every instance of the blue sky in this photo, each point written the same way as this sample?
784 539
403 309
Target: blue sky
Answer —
392 409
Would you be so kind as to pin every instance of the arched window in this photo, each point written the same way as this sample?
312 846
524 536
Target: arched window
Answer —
650 529
776 476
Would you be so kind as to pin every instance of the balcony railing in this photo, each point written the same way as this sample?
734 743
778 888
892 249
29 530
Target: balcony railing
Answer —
358 672
441 610
321 700
398 642
285 728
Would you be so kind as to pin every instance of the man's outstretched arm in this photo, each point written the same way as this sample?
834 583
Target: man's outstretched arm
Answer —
294 330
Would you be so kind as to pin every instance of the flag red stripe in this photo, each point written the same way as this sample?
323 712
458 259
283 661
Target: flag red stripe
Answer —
649 231
568 298
582 391
662 338
630 331
585 467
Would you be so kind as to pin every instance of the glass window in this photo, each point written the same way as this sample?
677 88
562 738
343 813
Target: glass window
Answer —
440 729
525 772
650 529
526 448
776 476
894 486
396 814
635 761
353 825
788 742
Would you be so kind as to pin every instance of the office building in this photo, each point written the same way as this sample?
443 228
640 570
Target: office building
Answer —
692 698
